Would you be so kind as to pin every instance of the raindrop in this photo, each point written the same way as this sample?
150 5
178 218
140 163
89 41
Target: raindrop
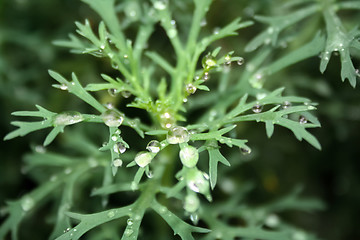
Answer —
111 214
167 120
190 89
143 158
216 30
130 222
128 232
189 156
173 22
272 221
192 203
194 218
177 135
153 146
63 87
257 108
112 118
117 162
206 76
302 120
114 137
27 203
68 118
67 230
119 147
125 94
240 61
149 174
286 104
109 105
245 151
113 92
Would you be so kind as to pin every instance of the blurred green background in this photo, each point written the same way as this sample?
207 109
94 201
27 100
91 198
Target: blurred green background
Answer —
27 28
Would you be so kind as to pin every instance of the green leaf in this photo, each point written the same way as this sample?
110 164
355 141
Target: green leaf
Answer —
214 158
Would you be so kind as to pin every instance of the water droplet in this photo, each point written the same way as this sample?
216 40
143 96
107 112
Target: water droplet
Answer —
119 147
75 230
113 92
134 186
128 232
203 23
272 221
286 105
117 162
302 120
159 5
173 22
177 135
143 158
216 30
111 214
114 137
172 33
192 203
130 222
163 210
185 100
27 203
206 76
109 105
190 89
189 156
40 149
208 62
102 46
63 87
67 118
245 151
194 218
67 170
125 94
153 146
257 108
197 181
149 174
67 230
240 61
357 72
112 118
167 120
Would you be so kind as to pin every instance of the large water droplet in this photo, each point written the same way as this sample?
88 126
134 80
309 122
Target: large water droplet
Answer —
257 108
119 147
189 156
153 146
143 158
27 203
117 162
68 118
112 118
177 135
192 203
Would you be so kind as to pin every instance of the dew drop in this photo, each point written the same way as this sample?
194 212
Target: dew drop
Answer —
111 214
149 174
117 162
67 230
173 22
206 76
114 137
153 146
119 147
216 30
272 221
125 94
113 92
27 204
257 108
130 222
245 151
40 149
203 23
189 156
109 105
240 61
286 104
302 120
128 232
67 118
172 33
177 135
143 158
190 89
63 87
53 178
112 118
167 120
192 203
194 218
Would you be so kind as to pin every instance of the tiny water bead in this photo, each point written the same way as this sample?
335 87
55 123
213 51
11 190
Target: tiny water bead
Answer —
119 147
167 120
143 158
27 204
113 92
153 146
189 156
206 76
117 162
68 118
114 137
302 120
257 108
128 232
63 87
112 118
111 214
240 61
149 174
67 230
178 135
125 94
286 105
272 221
190 89
192 203
245 151
130 222
194 218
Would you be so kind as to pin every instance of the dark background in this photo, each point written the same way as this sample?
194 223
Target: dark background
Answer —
27 29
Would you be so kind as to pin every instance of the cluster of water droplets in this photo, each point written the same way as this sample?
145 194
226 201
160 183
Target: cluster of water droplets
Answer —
67 118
